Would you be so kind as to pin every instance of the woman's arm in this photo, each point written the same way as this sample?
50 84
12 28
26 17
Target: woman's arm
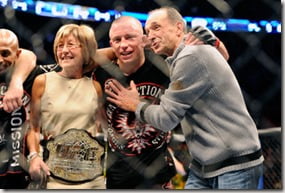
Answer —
33 136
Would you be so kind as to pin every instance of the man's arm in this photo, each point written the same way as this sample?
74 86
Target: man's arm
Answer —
22 68
100 114
103 56
208 37
186 87
223 50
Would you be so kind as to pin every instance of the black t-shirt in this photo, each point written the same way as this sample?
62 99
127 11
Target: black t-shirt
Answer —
137 153
13 127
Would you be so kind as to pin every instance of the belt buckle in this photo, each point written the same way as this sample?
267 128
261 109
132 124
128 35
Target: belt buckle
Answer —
75 156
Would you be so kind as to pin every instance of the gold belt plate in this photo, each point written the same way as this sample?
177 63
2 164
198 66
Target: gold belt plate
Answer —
75 156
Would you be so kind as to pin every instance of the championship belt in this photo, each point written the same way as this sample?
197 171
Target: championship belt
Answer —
75 156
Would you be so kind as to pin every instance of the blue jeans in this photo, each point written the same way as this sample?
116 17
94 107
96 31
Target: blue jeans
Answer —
240 179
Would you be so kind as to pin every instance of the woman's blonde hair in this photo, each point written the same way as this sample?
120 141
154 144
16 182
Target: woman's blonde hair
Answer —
86 37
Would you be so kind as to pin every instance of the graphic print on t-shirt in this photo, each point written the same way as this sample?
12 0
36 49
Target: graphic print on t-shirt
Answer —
126 134
12 132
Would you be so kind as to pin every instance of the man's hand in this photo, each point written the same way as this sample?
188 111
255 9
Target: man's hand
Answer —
205 35
13 97
208 37
125 98
190 39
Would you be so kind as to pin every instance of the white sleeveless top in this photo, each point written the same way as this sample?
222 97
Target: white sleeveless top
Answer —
68 103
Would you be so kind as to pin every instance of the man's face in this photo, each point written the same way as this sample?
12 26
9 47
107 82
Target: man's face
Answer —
126 39
8 54
161 33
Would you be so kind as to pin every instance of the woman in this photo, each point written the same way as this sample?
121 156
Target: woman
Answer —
66 110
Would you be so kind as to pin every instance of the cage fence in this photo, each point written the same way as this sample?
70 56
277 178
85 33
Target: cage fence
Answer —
272 151
255 58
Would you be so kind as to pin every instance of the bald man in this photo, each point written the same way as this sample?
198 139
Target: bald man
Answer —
20 66
13 124
136 160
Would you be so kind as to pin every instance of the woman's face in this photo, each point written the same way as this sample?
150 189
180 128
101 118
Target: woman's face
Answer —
69 52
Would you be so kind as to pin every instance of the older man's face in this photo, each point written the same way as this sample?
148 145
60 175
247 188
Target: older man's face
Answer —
8 54
161 32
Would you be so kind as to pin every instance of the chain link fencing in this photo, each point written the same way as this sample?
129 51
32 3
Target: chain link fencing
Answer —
254 57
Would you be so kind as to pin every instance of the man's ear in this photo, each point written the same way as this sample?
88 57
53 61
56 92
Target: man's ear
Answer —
146 42
19 51
180 28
